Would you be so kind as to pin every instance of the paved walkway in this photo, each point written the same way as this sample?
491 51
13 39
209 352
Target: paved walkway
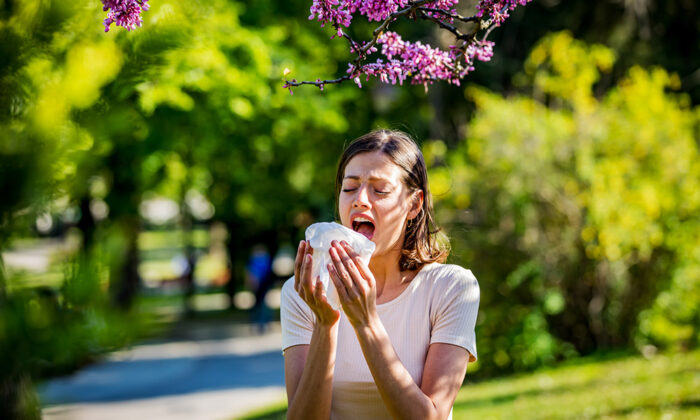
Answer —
206 374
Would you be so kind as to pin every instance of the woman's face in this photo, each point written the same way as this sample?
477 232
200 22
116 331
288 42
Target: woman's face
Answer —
374 200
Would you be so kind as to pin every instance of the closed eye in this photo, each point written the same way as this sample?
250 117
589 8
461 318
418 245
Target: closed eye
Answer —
349 189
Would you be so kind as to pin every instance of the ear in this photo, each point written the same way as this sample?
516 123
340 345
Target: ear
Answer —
416 205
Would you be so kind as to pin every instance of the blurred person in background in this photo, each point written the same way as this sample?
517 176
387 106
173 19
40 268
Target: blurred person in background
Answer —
259 277
401 344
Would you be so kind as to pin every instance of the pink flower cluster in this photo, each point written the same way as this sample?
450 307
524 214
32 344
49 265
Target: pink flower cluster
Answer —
481 50
403 60
422 63
340 12
377 10
498 10
124 13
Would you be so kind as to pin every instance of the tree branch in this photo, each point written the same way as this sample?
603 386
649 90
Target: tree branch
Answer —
451 15
444 25
454 68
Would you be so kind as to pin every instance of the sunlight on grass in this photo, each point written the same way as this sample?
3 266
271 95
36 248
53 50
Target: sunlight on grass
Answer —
274 412
664 387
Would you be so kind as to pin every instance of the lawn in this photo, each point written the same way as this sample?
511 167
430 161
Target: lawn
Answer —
631 387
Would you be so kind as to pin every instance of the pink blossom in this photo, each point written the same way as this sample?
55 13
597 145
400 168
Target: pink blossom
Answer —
414 61
497 10
124 13
421 63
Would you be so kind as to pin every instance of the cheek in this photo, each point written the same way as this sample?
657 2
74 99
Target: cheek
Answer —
393 213
343 209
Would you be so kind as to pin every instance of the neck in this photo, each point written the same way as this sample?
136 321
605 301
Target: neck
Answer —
385 269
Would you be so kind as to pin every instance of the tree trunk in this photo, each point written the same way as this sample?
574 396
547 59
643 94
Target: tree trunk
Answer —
87 225
123 201
236 260
187 241
125 281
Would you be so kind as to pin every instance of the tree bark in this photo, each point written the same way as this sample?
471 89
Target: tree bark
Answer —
125 282
87 225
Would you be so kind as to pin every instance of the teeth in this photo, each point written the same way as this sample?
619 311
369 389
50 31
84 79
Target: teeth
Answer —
362 219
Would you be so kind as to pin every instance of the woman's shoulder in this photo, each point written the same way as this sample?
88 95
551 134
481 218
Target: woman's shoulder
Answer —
450 276
291 302
288 284
289 294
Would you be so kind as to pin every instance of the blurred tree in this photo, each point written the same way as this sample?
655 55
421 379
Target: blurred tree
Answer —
226 130
42 80
190 102
187 104
646 33
579 208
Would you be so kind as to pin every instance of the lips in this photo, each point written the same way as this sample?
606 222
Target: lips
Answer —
363 224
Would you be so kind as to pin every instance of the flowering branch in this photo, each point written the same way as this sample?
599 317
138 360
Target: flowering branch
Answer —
423 64
124 13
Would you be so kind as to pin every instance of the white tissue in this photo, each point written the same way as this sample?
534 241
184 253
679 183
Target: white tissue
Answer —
319 236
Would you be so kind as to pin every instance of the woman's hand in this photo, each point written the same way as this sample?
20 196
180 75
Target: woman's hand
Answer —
312 290
355 284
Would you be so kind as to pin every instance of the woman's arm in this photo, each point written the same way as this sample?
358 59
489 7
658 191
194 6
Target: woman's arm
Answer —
309 385
309 368
445 364
443 373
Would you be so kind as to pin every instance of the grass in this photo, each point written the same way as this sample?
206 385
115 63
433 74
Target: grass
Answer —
667 386
274 412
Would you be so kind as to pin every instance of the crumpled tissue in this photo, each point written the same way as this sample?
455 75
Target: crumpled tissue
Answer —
319 236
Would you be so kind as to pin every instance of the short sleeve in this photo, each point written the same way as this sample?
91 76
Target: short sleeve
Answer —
296 316
454 311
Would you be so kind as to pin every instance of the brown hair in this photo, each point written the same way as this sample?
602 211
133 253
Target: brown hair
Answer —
421 245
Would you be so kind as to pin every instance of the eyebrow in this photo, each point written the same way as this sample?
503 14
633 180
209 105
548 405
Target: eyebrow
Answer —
372 178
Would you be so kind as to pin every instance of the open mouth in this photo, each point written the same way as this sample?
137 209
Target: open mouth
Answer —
363 226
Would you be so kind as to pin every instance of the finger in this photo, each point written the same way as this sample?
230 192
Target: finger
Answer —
358 281
319 292
302 276
342 273
297 264
339 286
350 251
306 280
362 268
306 269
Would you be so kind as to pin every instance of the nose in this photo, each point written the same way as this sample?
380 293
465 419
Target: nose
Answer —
361 198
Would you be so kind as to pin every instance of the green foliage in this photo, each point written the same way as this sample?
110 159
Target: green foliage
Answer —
44 331
580 210
194 96
192 101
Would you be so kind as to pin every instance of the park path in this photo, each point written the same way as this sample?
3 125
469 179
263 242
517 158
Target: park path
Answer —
210 373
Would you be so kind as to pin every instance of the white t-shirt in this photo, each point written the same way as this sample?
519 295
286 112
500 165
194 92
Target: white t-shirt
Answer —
439 306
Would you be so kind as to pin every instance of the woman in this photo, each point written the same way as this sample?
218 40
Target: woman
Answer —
400 346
